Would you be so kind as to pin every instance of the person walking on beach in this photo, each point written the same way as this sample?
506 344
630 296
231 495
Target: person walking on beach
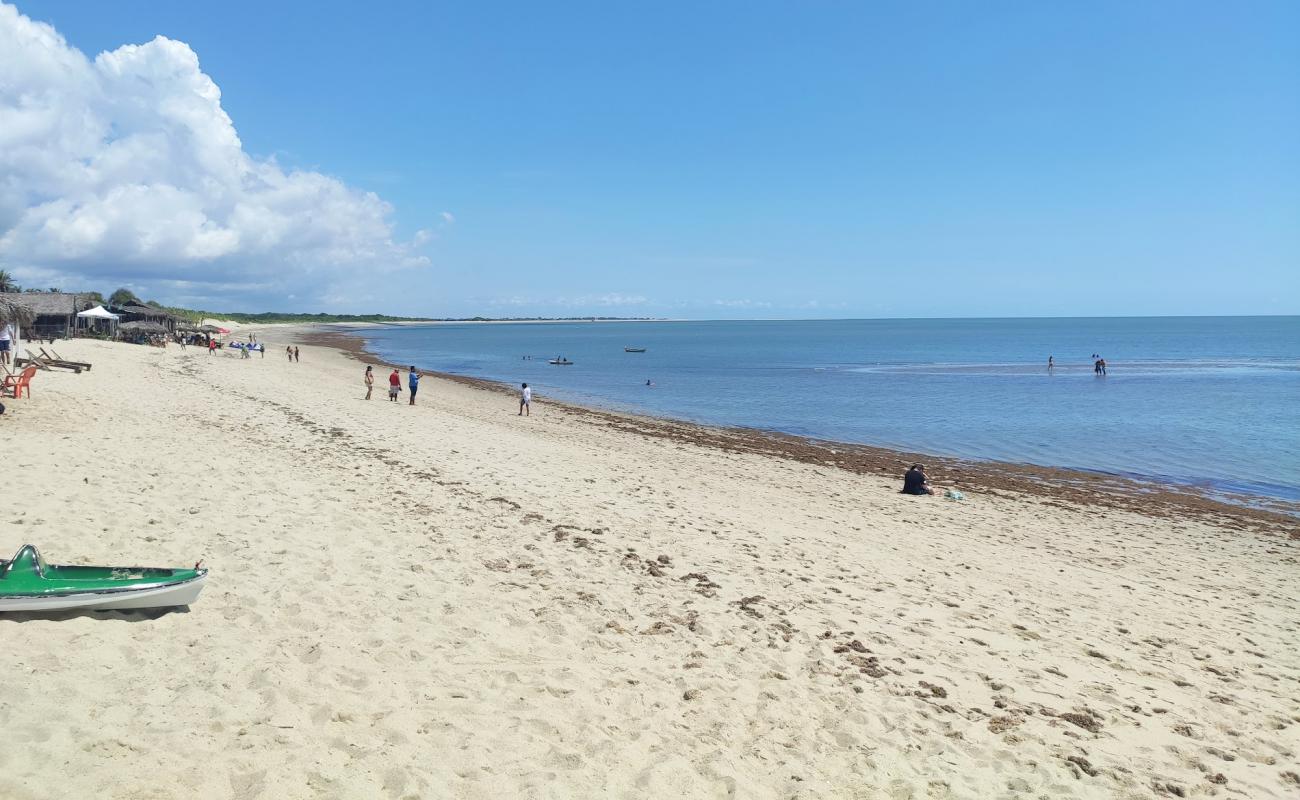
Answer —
394 384
289 351
295 353
526 402
1101 364
261 348
370 381
1051 363
413 383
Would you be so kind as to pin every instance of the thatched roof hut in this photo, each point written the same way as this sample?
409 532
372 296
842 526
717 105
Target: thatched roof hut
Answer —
53 314
134 313
142 327
14 312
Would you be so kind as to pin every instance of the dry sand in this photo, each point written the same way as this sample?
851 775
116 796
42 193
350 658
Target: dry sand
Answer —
453 601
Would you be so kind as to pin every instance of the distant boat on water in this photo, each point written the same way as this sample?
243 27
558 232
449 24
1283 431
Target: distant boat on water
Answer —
633 349
560 362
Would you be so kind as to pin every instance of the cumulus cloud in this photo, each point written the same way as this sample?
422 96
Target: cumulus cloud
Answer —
127 166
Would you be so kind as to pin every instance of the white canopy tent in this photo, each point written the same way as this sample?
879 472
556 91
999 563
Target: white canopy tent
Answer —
98 315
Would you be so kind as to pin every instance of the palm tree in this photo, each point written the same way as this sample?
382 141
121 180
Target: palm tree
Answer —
7 282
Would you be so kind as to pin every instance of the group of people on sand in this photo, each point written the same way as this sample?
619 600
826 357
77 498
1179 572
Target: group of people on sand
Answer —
292 353
395 383
413 376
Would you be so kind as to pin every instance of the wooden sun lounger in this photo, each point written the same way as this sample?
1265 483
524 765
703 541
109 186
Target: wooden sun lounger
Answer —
42 363
60 361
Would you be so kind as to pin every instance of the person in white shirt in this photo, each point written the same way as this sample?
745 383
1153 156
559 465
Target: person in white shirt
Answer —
526 401
6 341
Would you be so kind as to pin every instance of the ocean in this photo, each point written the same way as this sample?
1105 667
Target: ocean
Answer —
1212 402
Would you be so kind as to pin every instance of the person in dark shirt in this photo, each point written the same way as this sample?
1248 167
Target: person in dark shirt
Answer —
915 481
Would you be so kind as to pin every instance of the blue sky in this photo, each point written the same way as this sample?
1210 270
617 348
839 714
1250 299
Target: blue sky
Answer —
741 159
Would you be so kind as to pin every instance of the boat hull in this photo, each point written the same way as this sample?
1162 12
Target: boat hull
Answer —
168 595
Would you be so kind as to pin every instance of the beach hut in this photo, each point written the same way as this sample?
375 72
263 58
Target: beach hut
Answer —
133 313
142 332
54 314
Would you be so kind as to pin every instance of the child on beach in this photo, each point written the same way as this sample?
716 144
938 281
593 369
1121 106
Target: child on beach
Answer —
526 402
413 383
394 384
370 381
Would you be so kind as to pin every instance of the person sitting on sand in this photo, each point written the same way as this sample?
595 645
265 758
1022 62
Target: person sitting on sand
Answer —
370 381
916 482
394 384
526 401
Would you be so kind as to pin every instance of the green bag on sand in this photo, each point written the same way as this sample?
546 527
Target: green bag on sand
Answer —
953 494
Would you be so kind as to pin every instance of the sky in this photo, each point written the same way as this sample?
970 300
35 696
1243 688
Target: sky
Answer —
696 160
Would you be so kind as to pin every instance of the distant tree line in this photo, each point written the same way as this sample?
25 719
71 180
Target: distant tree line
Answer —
126 297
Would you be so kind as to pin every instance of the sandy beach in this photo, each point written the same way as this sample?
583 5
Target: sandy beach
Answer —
454 601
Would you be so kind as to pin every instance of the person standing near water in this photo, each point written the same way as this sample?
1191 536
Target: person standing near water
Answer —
394 385
413 383
295 353
370 381
526 402
289 352
1051 363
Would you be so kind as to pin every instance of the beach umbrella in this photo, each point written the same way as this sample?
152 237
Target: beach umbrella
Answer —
14 312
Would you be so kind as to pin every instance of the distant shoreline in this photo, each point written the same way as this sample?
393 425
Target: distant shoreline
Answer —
1072 486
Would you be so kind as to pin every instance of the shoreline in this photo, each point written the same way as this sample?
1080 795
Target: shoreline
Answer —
589 604
1077 487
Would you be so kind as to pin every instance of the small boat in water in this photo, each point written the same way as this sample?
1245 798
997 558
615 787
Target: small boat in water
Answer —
560 362
633 349
27 583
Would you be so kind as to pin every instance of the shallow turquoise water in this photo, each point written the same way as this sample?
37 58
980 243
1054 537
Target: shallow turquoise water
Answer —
1210 401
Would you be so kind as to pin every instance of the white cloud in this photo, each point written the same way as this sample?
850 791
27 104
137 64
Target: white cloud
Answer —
448 217
127 166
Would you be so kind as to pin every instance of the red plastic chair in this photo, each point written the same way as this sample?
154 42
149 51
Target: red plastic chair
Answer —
14 384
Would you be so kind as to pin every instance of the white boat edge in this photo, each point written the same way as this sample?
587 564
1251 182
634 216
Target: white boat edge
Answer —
164 596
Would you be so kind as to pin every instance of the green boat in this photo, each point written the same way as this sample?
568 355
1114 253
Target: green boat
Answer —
27 583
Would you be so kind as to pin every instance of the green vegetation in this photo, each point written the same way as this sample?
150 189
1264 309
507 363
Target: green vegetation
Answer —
124 297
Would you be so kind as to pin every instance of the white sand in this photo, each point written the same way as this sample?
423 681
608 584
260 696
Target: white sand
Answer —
452 601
